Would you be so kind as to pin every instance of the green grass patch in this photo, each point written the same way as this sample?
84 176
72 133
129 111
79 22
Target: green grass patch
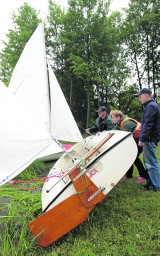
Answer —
127 223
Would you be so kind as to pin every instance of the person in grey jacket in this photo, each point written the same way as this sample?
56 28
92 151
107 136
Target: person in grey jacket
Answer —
150 137
103 122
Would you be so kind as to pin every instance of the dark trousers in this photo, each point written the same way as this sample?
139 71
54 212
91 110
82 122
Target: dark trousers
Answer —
140 167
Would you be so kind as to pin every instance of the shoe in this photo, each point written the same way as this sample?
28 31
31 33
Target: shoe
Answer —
151 188
148 183
140 179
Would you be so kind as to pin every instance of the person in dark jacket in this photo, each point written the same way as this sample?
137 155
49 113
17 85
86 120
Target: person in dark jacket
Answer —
103 122
150 137
124 123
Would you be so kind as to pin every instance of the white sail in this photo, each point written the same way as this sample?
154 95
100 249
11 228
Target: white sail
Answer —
29 81
25 110
30 85
22 137
63 124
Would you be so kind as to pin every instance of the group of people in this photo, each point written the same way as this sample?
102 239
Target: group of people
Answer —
146 135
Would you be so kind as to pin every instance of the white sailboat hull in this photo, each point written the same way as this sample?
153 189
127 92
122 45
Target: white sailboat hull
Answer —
105 168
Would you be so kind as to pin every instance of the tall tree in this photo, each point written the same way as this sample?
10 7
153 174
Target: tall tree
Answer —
24 23
89 48
142 37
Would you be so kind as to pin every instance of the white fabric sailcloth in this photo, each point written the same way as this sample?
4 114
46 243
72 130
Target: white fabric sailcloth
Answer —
30 109
40 93
61 113
29 82
22 137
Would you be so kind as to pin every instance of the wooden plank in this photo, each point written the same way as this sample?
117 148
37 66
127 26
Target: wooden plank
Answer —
56 222
68 214
85 189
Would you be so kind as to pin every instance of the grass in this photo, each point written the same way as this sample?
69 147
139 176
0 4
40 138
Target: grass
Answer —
127 223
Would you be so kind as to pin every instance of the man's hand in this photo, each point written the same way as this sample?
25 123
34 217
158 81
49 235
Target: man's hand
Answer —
88 131
140 143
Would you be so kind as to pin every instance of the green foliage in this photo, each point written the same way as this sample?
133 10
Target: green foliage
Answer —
35 169
24 25
141 37
124 100
88 58
126 223
95 54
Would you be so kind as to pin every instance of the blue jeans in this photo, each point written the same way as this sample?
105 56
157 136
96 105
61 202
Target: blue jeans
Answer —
151 163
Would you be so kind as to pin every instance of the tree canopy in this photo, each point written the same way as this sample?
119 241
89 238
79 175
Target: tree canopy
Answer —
99 57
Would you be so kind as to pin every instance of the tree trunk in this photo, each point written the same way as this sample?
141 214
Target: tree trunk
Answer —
88 108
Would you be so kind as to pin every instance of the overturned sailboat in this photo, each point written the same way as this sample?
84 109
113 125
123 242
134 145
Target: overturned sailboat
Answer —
79 180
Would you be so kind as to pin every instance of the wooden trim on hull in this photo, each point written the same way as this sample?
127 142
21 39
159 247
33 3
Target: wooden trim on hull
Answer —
68 214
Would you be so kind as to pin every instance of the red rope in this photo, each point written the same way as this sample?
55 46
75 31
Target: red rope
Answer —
43 179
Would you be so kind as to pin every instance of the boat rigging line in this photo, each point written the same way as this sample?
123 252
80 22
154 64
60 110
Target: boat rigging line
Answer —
66 151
